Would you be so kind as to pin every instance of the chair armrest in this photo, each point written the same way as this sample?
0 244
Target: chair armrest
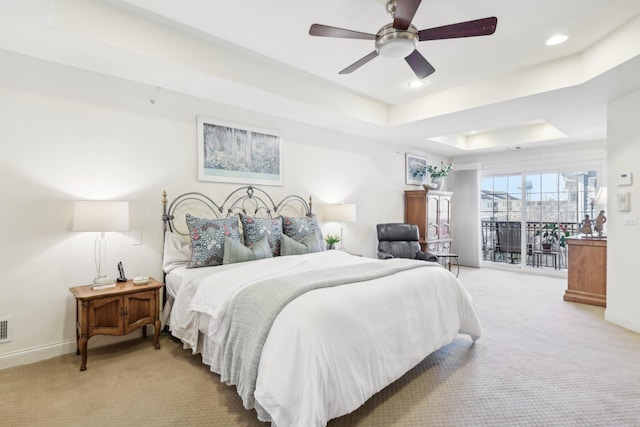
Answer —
384 255
426 256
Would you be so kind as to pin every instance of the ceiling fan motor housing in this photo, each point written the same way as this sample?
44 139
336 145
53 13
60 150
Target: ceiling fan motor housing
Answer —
394 43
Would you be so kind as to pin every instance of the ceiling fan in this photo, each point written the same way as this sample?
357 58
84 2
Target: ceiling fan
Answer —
400 38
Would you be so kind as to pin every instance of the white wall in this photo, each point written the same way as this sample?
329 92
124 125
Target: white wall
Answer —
623 292
68 135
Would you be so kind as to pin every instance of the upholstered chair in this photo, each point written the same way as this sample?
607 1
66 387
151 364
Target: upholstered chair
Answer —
400 241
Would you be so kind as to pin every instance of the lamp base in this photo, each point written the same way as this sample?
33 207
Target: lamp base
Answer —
103 280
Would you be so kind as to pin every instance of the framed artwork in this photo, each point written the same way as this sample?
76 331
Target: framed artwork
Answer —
232 153
416 169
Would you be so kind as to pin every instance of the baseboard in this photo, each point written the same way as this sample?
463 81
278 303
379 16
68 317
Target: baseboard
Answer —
44 352
620 320
36 354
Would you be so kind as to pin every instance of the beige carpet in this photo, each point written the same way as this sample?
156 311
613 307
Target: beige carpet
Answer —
540 362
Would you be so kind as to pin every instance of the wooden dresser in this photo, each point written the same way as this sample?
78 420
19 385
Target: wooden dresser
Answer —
431 212
587 275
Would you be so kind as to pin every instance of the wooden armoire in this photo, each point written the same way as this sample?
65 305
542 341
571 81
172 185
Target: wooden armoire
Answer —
431 212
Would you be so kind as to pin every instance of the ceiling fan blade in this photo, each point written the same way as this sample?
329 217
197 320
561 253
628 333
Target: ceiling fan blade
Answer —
327 31
359 63
419 64
478 27
405 11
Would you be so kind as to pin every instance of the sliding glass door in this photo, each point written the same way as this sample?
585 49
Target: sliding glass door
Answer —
526 218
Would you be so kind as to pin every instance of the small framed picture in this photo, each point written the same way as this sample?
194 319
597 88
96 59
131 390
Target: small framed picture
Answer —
415 169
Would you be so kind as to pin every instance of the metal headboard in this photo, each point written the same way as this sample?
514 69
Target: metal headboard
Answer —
249 200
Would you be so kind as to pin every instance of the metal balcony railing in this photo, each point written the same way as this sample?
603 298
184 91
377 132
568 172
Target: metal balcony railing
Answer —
502 243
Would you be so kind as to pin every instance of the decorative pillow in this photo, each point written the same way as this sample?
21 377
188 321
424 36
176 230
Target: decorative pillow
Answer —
297 228
177 252
237 252
207 239
308 244
255 229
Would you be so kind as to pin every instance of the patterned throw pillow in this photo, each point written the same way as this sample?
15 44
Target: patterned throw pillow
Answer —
308 244
237 252
297 228
207 239
255 229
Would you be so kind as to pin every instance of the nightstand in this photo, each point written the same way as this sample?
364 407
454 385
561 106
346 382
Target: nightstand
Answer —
116 311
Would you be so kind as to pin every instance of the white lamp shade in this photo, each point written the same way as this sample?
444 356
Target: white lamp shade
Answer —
100 215
601 196
341 213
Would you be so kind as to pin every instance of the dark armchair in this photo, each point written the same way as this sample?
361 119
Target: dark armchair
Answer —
400 241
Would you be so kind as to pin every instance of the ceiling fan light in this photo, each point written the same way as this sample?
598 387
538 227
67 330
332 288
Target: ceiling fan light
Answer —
394 43
396 48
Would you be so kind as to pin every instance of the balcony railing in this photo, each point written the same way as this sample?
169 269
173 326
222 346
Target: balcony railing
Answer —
502 242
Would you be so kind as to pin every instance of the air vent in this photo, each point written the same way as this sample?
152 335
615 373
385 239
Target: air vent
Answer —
5 330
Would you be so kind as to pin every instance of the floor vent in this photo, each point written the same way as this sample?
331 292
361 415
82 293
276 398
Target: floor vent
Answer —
5 330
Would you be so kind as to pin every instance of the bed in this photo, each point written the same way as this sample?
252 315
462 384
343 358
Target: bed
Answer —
304 334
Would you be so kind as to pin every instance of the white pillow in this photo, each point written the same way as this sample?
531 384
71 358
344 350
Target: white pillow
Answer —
177 251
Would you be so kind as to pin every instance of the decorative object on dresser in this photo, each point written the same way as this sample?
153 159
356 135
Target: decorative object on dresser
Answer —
599 226
431 212
438 174
415 169
101 216
116 311
587 273
233 153
341 213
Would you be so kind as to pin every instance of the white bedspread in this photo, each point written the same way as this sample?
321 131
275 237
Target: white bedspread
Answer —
330 349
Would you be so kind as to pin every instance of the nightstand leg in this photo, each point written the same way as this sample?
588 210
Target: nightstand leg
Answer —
83 352
156 334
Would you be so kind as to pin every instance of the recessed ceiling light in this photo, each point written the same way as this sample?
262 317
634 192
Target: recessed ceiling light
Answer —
416 84
556 39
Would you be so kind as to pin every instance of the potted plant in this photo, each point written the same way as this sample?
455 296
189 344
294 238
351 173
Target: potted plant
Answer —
437 174
552 234
331 240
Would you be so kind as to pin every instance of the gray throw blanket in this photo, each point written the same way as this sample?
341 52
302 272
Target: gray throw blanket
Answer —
254 309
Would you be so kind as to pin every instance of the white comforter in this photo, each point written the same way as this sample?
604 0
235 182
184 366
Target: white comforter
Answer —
330 349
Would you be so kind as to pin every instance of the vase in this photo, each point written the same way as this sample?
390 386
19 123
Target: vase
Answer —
437 183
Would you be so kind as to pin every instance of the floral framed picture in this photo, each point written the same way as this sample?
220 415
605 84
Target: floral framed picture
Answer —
415 169
233 153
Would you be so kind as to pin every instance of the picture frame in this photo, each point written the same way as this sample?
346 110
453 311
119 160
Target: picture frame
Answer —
415 169
233 153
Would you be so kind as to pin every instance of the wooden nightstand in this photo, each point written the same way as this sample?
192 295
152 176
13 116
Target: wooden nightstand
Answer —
116 311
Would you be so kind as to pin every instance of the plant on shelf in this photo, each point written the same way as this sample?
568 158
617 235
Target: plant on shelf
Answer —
331 240
552 234
439 171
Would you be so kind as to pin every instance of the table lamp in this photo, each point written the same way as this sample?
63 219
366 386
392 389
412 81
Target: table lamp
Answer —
341 213
101 216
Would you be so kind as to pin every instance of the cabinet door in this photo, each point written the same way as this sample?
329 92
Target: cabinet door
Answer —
444 209
105 316
140 309
432 218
